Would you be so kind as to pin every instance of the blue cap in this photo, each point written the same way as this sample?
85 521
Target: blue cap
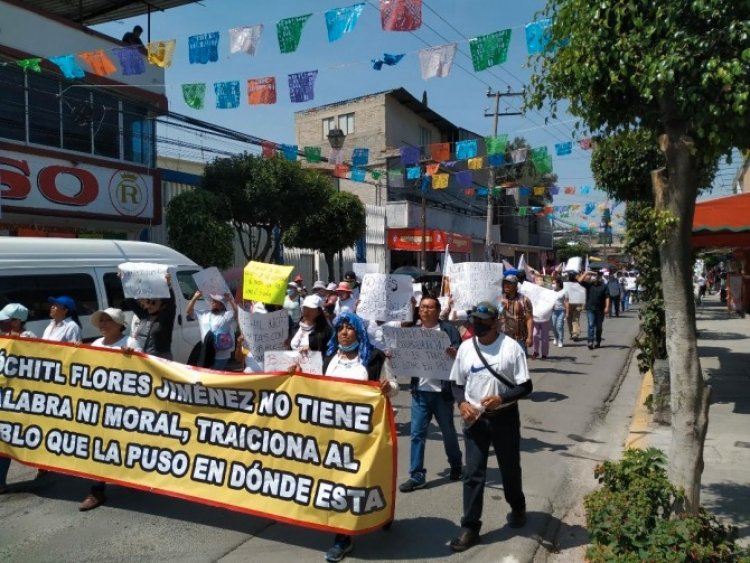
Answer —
64 301
510 272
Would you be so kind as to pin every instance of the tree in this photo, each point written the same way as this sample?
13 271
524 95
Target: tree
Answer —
567 249
679 70
194 229
261 194
330 228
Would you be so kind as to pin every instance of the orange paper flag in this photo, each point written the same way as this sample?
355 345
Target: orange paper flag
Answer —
261 90
440 152
99 62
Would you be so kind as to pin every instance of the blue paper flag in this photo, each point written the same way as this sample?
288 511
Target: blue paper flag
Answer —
342 20
358 174
588 209
483 192
387 59
524 191
426 183
537 36
360 157
466 149
68 66
289 151
227 94
496 159
413 172
131 60
409 155
203 48
584 190
561 149
302 86
554 190
464 178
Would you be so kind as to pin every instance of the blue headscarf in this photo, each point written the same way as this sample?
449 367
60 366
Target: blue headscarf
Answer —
365 348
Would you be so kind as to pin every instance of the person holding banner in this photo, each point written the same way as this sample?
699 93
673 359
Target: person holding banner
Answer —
488 377
431 397
518 320
64 326
218 322
314 331
112 326
351 356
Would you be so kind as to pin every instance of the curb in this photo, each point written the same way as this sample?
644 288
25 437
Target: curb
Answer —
639 426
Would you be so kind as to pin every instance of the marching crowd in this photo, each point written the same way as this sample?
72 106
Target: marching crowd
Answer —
489 346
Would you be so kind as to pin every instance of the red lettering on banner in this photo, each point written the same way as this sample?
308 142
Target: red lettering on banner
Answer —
18 183
86 194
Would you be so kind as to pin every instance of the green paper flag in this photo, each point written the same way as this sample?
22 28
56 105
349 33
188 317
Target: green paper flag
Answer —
289 32
376 174
543 164
312 154
194 95
489 50
496 145
30 64
538 152
522 211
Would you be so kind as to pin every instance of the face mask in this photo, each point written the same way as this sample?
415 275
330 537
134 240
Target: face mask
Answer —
480 328
353 346
290 292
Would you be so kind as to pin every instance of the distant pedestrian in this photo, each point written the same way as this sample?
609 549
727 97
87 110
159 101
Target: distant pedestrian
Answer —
488 377
559 312
613 288
597 302
518 322
574 314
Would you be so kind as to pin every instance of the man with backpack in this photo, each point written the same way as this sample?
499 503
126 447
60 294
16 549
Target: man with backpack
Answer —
614 288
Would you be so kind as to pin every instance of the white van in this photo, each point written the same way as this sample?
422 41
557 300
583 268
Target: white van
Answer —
33 269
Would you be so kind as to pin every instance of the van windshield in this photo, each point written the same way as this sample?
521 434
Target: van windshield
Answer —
186 282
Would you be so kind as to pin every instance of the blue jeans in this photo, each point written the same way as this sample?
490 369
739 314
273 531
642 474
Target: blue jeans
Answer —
558 324
4 467
425 405
502 431
596 320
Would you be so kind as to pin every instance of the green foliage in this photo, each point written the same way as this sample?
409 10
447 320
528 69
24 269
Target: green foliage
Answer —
330 228
565 251
525 173
630 518
262 193
195 229
642 246
649 64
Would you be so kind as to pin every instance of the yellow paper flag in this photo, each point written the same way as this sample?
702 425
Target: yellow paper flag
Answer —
265 282
539 190
440 181
475 163
160 52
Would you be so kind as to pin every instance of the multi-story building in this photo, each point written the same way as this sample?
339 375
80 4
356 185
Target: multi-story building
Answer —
420 223
77 156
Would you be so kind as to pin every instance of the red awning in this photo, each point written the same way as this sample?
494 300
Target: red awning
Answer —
722 222
411 239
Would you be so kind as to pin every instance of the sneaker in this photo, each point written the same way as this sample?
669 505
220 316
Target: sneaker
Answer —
92 501
455 473
534 356
555 343
559 344
591 345
467 539
517 518
410 485
339 550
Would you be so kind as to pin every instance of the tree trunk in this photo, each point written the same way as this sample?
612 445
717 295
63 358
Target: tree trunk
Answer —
690 394
329 264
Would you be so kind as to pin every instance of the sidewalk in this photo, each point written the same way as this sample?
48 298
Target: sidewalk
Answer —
724 349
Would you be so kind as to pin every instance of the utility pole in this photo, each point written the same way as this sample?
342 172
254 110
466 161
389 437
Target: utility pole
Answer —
493 173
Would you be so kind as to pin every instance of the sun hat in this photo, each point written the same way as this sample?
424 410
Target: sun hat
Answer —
320 284
115 314
344 286
331 287
14 311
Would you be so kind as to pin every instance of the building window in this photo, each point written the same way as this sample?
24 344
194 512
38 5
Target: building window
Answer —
12 103
138 134
346 123
77 117
328 124
425 138
44 110
106 119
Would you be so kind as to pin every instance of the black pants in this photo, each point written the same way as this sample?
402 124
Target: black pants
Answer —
614 301
503 432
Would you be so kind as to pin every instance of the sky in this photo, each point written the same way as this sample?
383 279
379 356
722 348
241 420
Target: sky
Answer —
345 70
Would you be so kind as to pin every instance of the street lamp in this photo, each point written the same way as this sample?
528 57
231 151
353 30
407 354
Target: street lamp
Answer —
336 138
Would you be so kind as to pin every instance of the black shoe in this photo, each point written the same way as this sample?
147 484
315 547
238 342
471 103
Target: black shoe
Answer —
455 474
517 518
598 345
591 346
410 485
467 539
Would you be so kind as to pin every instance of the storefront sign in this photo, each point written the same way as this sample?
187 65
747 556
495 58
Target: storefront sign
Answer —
55 183
435 240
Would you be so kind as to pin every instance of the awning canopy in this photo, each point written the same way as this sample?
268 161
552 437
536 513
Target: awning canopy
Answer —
722 222
411 239
91 12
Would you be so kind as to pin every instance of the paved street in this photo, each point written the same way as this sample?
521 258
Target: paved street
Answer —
564 434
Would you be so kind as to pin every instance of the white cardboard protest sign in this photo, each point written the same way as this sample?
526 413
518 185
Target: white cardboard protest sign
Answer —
210 282
385 297
573 264
576 293
362 268
419 352
542 300
473 282
143 280
280 360
263 331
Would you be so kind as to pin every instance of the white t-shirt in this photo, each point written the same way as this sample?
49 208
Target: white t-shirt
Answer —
124 342
504 355
301 340
217 322
64 331
560 300
431 385
344 305
340 366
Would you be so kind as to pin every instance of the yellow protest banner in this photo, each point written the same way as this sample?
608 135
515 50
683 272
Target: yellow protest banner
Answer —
265 282
308 450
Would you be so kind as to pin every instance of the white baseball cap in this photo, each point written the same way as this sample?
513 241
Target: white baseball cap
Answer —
115 314
14 311
312 302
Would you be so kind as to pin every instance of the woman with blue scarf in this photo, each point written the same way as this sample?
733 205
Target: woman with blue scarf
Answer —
351 356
